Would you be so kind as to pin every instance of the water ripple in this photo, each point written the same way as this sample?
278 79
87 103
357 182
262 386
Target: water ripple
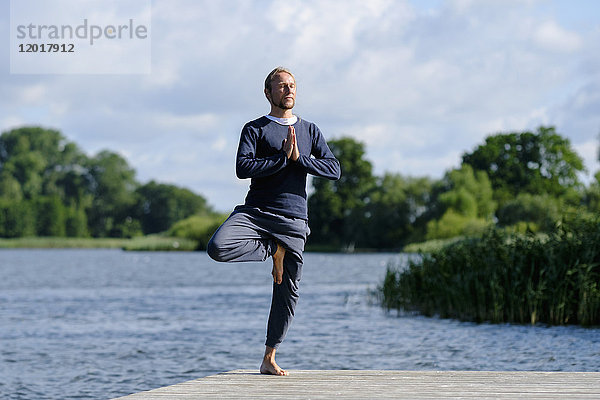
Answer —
94 324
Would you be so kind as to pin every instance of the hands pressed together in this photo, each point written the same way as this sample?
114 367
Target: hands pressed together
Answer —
290 146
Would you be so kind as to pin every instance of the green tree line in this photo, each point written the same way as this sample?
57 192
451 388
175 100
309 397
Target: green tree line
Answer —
521 181
50 187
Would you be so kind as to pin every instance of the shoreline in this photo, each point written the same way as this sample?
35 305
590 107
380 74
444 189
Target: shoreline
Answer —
145 243
142 243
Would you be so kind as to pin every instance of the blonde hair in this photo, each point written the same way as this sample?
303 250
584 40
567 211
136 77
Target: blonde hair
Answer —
272 73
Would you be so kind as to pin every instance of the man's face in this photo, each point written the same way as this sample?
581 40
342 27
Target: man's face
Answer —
283 91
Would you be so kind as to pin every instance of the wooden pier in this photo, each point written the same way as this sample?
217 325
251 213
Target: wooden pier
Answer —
349 384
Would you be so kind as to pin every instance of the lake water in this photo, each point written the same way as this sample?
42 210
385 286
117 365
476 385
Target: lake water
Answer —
97 324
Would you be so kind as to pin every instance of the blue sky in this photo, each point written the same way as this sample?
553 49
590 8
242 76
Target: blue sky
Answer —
419 82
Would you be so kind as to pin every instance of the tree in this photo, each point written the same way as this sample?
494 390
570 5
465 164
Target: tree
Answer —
76 224
395 205
50 216
38 159
336 208
469 192
28 169
537 163
466 205
159 206
10 188
36 167
112 184
198 227
48 186
537 212
17 218
591 195
591 198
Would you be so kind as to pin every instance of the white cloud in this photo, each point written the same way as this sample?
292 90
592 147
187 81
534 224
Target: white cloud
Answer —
419 87
194 123
219 144
589 153
10 122
59 108
165 73
551 36
32 94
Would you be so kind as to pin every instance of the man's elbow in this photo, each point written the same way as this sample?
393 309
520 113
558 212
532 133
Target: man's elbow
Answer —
241 172
337 173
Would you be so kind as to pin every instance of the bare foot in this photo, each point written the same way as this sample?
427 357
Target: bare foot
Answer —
270 367
278 265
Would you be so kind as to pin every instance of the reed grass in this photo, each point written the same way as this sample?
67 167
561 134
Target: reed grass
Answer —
506 277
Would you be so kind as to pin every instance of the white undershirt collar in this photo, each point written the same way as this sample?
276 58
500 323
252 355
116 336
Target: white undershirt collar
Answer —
283 121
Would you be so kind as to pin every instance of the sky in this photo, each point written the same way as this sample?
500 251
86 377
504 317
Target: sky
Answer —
418 82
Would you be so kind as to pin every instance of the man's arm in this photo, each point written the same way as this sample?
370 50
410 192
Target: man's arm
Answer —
247 165
324 163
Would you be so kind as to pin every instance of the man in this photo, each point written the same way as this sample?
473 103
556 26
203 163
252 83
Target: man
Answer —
276 151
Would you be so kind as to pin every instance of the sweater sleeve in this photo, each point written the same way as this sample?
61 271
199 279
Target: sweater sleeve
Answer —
322 163
247 165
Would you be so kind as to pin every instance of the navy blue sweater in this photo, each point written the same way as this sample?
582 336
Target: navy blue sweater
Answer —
278 183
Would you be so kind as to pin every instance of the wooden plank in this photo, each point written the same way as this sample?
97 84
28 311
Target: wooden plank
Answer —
351 384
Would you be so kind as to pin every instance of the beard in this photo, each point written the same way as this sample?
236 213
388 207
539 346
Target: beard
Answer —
286 104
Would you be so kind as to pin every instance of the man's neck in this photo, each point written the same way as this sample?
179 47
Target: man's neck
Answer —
283 121
281 113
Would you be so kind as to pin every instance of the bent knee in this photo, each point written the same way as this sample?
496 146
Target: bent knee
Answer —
213 250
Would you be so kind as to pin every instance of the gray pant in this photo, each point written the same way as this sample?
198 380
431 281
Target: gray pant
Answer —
251 234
